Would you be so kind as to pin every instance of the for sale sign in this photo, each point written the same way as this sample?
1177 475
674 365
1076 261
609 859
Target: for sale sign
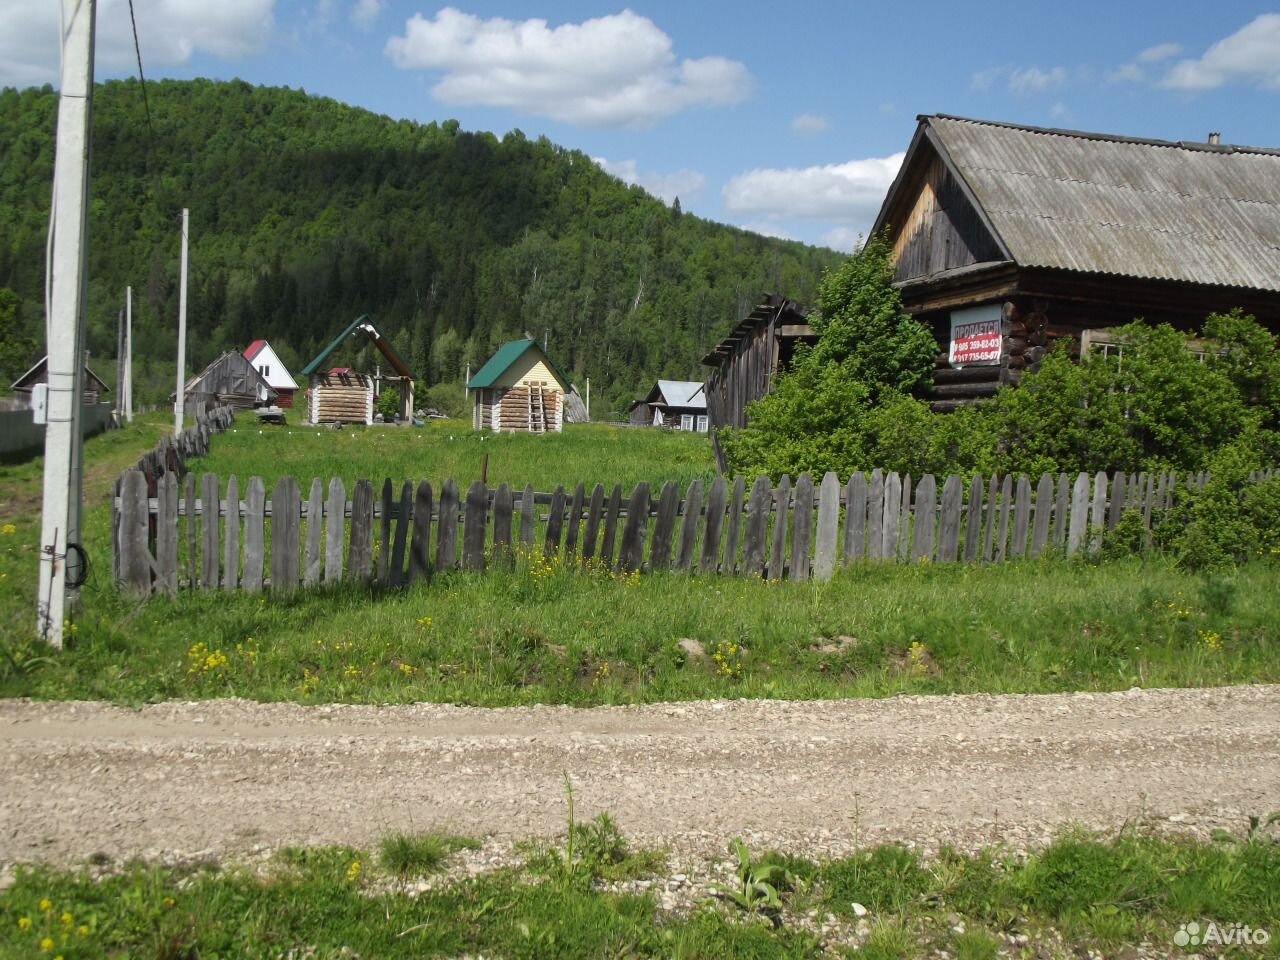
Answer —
975 336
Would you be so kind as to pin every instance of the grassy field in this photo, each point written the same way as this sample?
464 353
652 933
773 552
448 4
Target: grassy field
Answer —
1082 896
550 633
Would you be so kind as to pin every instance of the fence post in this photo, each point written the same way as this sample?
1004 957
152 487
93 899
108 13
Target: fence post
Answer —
135 557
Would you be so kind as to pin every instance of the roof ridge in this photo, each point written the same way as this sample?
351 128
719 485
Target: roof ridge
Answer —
1223 148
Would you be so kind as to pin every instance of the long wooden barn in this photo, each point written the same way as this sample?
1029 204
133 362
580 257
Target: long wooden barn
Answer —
1007 238
744 364
232 381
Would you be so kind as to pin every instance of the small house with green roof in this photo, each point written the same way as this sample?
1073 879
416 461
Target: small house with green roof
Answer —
519 390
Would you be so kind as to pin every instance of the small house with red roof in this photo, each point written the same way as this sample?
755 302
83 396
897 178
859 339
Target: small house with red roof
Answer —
273 370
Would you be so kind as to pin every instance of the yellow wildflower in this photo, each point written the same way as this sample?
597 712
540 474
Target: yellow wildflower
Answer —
24 923
83 931
46 944
353 871
8 530
46 905
67 919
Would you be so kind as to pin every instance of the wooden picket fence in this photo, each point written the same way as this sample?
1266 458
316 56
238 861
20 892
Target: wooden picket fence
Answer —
184 535
170 454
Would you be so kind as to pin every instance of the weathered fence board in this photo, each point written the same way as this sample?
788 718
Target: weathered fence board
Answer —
802 529
892 516
595 515
575 521
384 535
167 534
209 532
313 565
664 527
973 522
687 550
825 553
992 519
1021 517
717 502
254 540
757 528
503 508
475 522
335 508
875 516
1043 514
1079 514
778 545
1117 499
286 508
1060 512
555 522
855 528
526 519
135 570
1002 535
420 551
360 555
949 520
631 556
926 499
404 520
905 520
734 521
447 537
612 513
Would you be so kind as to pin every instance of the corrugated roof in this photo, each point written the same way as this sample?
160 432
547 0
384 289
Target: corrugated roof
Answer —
506 355
1194 212
361 322
682 393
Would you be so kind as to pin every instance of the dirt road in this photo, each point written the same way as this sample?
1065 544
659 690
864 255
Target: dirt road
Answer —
228 778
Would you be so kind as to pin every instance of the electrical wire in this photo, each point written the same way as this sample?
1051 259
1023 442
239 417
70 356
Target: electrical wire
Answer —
138 50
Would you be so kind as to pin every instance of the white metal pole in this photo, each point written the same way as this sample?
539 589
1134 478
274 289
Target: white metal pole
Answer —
179 401
59 516
128 355
588 399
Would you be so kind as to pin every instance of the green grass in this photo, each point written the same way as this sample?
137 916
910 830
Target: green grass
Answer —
548 632
583 453
1082 893
416 855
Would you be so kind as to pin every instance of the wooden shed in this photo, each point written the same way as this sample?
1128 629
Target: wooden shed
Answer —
745 362
346 396
1006 238
94 387
519 389
230 380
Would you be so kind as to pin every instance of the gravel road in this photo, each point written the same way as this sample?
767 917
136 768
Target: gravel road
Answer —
232 779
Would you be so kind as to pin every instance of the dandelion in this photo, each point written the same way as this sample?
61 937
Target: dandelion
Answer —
24 923
918 655
169 901
353 871
352 672
1211 640
8 530
46 905
67 919
83 931
46 944
425 622
408 669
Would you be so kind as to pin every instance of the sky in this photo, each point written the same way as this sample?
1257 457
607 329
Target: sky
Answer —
786 119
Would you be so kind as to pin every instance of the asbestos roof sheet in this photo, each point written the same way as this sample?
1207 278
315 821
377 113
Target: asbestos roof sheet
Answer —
682 393
1200 213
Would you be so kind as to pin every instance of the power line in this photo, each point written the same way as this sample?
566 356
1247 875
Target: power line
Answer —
138 50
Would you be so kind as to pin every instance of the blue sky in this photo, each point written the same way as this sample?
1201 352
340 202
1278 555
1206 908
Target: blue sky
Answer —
786 119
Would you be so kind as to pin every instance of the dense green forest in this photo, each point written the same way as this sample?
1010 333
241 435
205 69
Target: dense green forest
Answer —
306 213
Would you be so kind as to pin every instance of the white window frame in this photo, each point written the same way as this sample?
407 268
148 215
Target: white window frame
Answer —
703 423
686 422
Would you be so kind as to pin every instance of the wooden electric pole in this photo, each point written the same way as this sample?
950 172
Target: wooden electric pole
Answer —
60 512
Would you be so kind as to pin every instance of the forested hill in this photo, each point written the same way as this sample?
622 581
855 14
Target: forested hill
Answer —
306 213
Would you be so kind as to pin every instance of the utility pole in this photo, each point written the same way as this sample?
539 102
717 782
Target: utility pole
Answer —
179 400
127 387
60 513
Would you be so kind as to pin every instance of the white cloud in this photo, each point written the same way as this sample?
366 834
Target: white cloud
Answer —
617 70
1250 55
1033 80
365 12
1059 111
767 228
982 80
170 32
1129 73
849 194
809 125
682 183
843 239
1161 51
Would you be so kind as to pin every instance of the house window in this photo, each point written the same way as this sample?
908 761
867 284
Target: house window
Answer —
702 423
686 421
1105 343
